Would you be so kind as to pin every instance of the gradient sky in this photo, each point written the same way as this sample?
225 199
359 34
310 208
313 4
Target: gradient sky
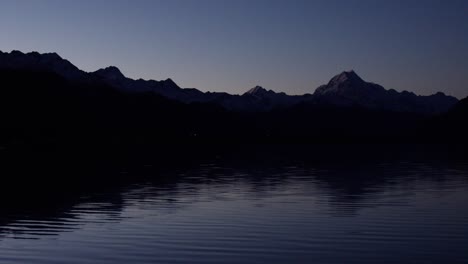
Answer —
233 45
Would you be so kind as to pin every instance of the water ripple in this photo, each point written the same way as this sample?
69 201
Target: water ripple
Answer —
387 212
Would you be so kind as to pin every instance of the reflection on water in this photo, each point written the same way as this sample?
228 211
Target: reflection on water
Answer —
285 210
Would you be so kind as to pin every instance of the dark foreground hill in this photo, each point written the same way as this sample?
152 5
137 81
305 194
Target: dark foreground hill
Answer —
44 109
452 125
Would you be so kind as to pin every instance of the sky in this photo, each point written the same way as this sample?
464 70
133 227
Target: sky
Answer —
232 45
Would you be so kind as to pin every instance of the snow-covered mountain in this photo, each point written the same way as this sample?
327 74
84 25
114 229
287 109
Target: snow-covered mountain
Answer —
346 89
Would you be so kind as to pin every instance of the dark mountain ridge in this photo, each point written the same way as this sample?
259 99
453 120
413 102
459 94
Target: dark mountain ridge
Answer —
16 60
344 90
103 111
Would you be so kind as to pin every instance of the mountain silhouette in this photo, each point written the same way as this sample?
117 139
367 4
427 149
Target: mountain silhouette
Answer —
50 62
47 103
346 89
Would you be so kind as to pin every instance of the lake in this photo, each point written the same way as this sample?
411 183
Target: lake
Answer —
256 209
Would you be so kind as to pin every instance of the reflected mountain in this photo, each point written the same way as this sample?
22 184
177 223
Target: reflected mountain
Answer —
345 186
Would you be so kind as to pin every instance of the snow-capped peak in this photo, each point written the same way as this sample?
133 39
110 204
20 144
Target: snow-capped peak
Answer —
257 90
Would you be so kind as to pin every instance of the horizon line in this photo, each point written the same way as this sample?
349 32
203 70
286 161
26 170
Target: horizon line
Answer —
239 94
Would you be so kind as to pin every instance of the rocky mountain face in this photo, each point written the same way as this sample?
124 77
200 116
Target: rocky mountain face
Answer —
48 62
346 89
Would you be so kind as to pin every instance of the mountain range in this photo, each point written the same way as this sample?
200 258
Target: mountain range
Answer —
346 89
47 103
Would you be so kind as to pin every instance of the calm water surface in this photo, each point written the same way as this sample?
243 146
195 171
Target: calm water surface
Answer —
274 212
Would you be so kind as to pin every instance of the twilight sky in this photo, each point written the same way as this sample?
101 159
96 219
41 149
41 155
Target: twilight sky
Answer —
232 45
